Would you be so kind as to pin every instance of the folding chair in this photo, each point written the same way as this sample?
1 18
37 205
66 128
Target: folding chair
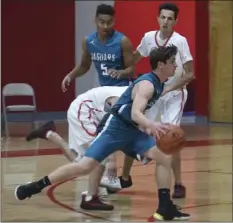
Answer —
17 89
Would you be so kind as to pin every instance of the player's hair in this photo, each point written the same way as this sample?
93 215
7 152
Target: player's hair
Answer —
105 10
171 7
161 54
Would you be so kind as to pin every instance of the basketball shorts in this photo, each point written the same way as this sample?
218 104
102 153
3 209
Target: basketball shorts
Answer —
117 135
169 108
173 105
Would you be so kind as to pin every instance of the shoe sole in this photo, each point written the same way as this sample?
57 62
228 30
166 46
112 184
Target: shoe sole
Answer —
107 186
181 219
158 217
93 209
15 193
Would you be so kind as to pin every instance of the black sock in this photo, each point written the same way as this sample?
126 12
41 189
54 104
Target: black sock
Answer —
164 198
44 182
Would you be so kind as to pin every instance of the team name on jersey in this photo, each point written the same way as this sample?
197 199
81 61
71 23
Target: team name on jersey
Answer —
103 57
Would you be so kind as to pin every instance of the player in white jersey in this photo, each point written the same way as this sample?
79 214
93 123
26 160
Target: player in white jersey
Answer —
170 106
84 115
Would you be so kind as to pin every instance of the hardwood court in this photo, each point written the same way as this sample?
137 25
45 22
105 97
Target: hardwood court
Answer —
206 172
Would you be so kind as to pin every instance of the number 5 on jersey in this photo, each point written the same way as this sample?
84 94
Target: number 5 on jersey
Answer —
104 69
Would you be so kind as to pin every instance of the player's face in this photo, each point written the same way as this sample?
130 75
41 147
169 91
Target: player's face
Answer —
166 20
168 69
104 24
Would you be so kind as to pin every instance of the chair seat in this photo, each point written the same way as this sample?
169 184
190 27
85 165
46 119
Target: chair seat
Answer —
21 108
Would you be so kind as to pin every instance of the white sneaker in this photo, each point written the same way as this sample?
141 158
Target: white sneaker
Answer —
113 184
103 193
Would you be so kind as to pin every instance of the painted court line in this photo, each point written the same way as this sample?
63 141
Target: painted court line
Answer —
57 151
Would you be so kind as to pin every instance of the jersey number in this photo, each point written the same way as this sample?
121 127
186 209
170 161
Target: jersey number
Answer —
104 69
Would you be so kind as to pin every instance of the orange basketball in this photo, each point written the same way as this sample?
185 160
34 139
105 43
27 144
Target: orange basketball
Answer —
172 141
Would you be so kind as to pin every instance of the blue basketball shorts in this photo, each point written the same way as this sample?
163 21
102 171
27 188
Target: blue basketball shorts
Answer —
117 135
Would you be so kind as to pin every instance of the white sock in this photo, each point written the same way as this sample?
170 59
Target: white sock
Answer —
48 134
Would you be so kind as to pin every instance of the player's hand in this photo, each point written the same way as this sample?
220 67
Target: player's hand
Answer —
116 74
111 170
158 129
66 82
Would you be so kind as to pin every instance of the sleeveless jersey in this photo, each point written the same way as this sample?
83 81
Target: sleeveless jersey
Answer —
151 40
107 56
122 109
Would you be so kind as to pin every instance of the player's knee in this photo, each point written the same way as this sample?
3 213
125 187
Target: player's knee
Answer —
160 157
86 165
166 160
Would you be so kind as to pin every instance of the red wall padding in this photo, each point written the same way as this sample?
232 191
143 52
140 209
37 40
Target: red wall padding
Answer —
38 48
202 59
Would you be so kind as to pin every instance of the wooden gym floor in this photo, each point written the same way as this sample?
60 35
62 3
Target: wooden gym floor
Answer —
206 172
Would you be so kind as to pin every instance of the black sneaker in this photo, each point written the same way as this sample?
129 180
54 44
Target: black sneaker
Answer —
41 131
26 190
171 213
179 191
126 183
94 203
123 184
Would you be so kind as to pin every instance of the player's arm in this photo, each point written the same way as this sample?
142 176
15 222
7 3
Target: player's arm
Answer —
141 51
142 93
85 64
187 61
127 52
79 70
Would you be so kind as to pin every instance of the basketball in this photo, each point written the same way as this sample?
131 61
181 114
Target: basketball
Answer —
173 141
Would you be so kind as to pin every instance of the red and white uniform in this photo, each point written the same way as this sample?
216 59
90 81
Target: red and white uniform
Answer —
171 105
85 113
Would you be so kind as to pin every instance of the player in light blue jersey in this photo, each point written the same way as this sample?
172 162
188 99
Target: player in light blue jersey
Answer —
109 50
128 128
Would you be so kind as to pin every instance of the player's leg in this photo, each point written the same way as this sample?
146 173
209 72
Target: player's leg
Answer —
146 146
81 132
74 152
172 113
48 132
125 179
105 144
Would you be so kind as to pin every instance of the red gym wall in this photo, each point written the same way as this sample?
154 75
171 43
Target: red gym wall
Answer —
38 48
38 45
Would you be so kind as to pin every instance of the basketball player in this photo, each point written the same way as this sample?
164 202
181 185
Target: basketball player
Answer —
84 114
127 128
109 50
171 104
